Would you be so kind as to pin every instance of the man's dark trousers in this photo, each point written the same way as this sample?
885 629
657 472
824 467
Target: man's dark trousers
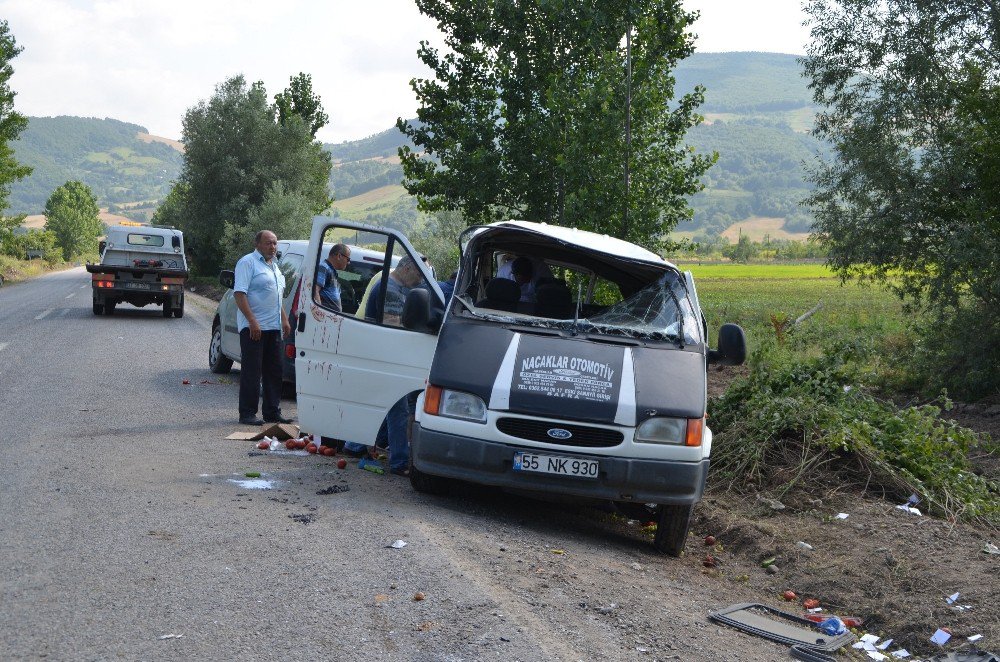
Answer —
260 362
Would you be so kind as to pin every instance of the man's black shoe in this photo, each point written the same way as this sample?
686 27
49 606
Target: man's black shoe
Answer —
280 419
251 420
352 453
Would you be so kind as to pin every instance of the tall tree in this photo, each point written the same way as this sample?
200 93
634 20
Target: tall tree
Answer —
12 123
299 100
236 151
526 115
71 214
911 95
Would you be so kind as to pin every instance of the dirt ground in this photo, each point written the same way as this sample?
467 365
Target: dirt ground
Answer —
892 568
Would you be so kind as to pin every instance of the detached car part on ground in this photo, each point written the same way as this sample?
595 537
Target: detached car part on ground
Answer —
595 389
140 265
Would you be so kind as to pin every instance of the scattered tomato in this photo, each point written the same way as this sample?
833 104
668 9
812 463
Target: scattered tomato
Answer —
264 445
789 595
341 463
311 448
290 444
418 596
810 603
709 561
185 382
709 541
327 451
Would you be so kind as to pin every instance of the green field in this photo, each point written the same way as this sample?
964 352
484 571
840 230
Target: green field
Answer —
749 294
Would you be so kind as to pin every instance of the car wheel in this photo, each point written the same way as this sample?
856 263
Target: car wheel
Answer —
218 362
672 529
427 483
98 308
109 307
179 310
167 310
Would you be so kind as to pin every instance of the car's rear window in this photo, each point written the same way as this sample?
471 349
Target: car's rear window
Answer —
145 239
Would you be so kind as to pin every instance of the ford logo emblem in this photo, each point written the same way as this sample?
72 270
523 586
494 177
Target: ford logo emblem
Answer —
559 433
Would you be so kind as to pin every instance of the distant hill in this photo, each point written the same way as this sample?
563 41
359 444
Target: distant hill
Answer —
119 161
758 115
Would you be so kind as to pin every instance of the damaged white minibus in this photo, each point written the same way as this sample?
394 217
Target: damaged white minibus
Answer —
583 374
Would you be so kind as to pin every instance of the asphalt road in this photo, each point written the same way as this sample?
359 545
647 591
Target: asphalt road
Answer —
121 524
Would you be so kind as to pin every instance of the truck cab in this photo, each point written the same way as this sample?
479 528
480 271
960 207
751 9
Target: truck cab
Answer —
565 363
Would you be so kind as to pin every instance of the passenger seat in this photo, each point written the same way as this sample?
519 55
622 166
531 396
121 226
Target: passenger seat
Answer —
501 294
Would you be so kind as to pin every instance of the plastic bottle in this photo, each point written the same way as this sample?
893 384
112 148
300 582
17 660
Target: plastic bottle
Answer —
371 465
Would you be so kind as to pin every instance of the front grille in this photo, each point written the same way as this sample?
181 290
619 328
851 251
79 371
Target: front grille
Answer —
524 428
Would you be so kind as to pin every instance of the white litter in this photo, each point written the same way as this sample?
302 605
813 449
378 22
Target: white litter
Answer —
885 644
815 610
170 636
901 653
841 516
940 637
875 655
990 548
253 483
399 544
953 598
804 545
909 509
975 637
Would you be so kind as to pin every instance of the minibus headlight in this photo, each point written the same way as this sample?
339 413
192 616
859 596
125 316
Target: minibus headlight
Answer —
662 431
465 406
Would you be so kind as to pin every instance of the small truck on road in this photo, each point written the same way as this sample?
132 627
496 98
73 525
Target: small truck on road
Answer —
140 265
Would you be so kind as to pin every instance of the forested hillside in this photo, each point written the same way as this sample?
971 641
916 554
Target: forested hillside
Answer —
105 154
757 118
757 114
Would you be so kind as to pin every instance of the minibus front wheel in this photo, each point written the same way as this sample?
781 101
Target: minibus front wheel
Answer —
672 528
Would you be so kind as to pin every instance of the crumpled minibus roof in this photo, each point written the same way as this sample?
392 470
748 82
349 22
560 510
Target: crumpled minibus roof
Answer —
591 241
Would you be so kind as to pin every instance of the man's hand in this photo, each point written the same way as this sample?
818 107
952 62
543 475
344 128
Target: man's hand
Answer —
286 328
254 329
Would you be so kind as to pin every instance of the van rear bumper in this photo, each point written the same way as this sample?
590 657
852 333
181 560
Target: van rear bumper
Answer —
620 479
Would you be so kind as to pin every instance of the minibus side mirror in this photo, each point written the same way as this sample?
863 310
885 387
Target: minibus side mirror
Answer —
417 312
732 346
227 278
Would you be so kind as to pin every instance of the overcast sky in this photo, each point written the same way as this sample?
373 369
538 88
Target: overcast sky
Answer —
147 61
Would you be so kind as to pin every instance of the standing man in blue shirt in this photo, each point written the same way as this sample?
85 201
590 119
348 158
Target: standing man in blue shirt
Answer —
262 323
327 288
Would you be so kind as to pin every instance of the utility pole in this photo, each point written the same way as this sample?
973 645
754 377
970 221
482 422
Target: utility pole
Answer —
628 123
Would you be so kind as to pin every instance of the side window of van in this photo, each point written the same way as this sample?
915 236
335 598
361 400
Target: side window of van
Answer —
290 265
387 294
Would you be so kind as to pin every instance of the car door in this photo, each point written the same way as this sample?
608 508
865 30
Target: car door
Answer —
351 369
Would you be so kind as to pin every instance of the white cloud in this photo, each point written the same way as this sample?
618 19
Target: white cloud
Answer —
147 61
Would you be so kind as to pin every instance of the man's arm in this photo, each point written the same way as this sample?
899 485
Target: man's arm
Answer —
286 327
244 305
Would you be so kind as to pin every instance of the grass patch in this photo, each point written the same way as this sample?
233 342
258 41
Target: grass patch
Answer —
13 270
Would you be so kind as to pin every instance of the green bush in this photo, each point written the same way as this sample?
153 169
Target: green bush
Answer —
810 422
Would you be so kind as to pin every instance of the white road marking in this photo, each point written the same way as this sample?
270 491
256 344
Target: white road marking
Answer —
42 314
64 311
84 285
71 295
3 346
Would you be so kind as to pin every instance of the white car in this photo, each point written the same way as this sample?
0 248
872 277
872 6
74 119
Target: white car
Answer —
224 348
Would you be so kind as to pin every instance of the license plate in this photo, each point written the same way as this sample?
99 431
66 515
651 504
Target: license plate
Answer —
553 464
133 285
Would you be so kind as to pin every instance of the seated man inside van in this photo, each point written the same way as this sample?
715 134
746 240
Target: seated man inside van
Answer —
401 280
327 287
526 272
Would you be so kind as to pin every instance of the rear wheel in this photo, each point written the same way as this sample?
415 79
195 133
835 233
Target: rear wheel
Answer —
218 362
98 308
167 309
179 310
109 307
672 529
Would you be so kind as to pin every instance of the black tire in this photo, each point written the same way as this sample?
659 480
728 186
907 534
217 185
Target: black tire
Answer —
109 307
167 310
672 529
218 362
98 308
179 310
427 483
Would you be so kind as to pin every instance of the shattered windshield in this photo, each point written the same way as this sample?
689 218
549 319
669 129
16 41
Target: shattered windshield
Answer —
662 310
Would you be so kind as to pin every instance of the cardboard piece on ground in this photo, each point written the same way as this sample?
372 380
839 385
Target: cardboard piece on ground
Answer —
279 431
